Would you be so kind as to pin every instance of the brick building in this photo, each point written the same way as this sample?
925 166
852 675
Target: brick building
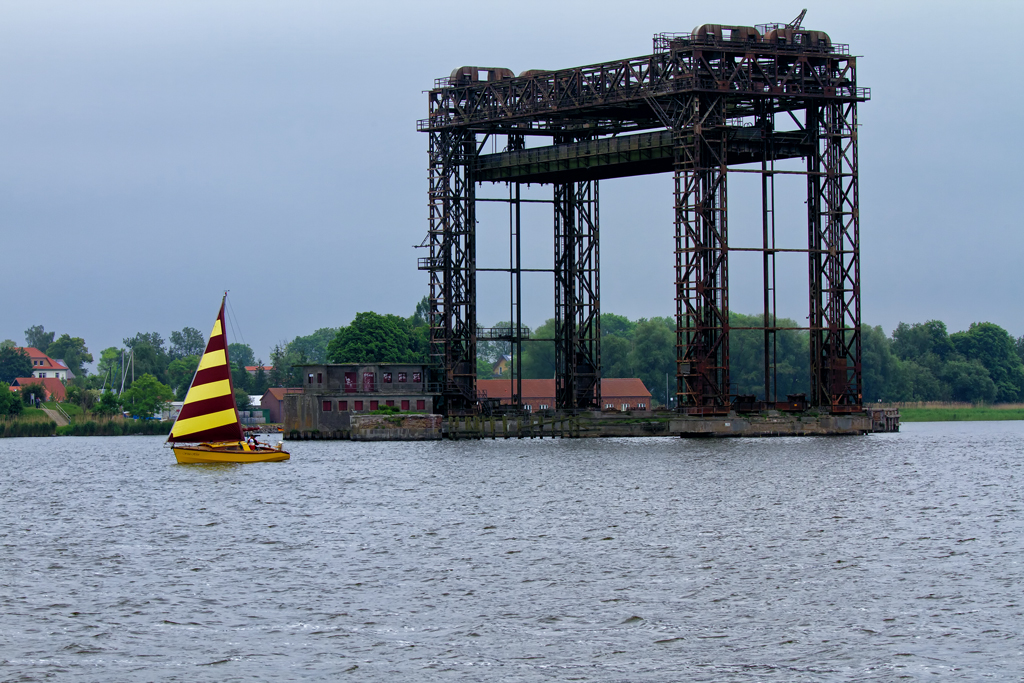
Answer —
539 394
333 392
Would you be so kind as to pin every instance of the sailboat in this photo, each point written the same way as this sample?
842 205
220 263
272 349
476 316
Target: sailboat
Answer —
208 429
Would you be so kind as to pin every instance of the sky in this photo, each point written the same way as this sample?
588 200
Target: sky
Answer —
154 154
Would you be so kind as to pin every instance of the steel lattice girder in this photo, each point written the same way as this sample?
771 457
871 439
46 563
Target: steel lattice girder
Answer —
585 110
834 259
614 96
452 242
577 297
702 272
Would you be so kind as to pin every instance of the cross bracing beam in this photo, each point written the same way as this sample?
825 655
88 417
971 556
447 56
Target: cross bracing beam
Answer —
625 155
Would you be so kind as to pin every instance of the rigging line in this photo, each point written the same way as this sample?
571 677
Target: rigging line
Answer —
236 327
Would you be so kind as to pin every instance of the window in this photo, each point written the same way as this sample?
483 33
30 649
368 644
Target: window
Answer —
641 406
350 383
608 405
403 377
390 403
421 404
368 381
327 406
358 405
625 406
387 378
543 406
417 377
405 405
342 406
528 408
319 378
374 405
309 378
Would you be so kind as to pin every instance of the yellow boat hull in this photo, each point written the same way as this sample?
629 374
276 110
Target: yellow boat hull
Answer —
228 453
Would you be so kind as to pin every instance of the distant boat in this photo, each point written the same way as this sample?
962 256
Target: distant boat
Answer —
208 429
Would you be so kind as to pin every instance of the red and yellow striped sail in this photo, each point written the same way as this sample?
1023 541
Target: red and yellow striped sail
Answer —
209 412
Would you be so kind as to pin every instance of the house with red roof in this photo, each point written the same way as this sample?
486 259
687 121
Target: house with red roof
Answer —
273 402
53 387
617 393
45 367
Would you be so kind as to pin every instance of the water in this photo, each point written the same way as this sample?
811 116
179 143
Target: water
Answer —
850 559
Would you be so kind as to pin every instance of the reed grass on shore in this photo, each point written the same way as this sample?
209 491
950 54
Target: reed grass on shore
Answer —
951 411
41 425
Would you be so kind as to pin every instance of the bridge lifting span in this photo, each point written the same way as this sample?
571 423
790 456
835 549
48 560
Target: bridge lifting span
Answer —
701 103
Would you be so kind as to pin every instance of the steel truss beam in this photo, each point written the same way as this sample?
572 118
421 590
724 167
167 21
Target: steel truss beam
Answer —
834 257
452 267
577 297
702 265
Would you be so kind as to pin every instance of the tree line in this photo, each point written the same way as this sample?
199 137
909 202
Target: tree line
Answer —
917 362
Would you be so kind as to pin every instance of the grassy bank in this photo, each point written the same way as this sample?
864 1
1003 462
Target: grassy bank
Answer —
41 425
935 411
35 424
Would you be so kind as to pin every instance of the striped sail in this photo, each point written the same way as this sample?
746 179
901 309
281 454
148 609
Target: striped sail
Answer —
209 412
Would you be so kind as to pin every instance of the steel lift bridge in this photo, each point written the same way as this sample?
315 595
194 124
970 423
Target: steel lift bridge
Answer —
701 103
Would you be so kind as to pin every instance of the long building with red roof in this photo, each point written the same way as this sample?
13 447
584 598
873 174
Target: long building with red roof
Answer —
617 393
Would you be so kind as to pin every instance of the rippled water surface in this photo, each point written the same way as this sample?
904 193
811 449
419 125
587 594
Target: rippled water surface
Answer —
865 558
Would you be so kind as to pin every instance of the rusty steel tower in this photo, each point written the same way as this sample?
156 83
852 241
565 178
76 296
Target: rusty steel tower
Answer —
700 105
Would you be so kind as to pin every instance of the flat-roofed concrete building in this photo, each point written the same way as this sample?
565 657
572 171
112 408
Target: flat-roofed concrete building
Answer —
333 392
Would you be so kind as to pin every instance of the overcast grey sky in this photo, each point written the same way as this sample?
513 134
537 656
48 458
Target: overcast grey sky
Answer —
153 154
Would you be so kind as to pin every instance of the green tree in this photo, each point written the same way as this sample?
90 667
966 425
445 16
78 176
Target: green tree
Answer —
10 402
147 396
925 343
241 399
14 363
241 354
148 355
109 367
653 355
539 356
180 373
375 338
188 342
284 371
32 392
108 404
791 368
878 364
260 381
912 381
72 351
7 344
968 380
996 350
313 347
38 338
421 316
616 358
